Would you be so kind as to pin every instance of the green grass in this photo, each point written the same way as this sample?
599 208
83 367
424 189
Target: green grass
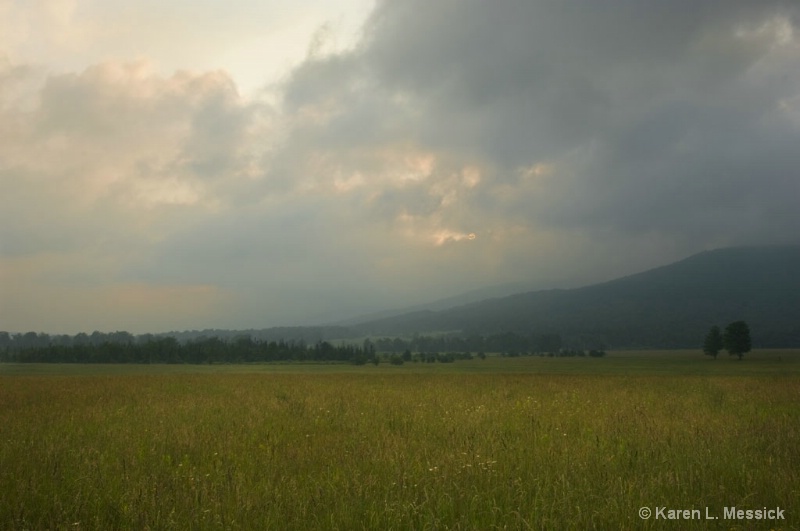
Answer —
514 443
668 362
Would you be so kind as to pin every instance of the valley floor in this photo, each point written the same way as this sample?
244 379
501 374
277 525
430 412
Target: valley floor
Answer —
518 443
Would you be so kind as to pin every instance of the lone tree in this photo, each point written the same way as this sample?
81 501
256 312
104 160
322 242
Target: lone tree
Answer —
737 338
713 343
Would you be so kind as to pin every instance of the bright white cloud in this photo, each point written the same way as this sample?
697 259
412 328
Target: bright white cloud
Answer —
255 42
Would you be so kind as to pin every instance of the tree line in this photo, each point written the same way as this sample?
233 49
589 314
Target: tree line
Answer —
501 342
167 349
123 347
507 343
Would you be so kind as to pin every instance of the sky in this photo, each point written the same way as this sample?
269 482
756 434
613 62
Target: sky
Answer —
246 164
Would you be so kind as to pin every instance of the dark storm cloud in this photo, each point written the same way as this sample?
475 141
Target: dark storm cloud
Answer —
660 116
457 144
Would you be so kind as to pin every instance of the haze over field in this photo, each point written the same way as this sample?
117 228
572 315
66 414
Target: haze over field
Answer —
249 164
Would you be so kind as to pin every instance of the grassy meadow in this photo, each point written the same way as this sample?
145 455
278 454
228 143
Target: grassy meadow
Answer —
503 443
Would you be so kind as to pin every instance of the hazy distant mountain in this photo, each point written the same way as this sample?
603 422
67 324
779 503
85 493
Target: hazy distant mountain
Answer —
670 306
308 334
462 299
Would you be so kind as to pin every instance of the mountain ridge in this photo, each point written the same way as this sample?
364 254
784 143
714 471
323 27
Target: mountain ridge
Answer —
461 299
667 307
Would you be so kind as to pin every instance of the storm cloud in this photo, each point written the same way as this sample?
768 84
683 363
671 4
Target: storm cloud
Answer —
448 146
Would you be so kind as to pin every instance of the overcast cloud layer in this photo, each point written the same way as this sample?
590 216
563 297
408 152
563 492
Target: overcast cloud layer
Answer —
296 170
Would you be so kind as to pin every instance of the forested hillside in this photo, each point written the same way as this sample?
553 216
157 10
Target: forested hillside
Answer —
671 306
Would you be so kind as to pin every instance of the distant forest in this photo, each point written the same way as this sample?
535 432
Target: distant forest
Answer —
123 347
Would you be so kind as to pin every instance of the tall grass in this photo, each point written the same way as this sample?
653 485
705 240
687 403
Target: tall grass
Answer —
394 450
